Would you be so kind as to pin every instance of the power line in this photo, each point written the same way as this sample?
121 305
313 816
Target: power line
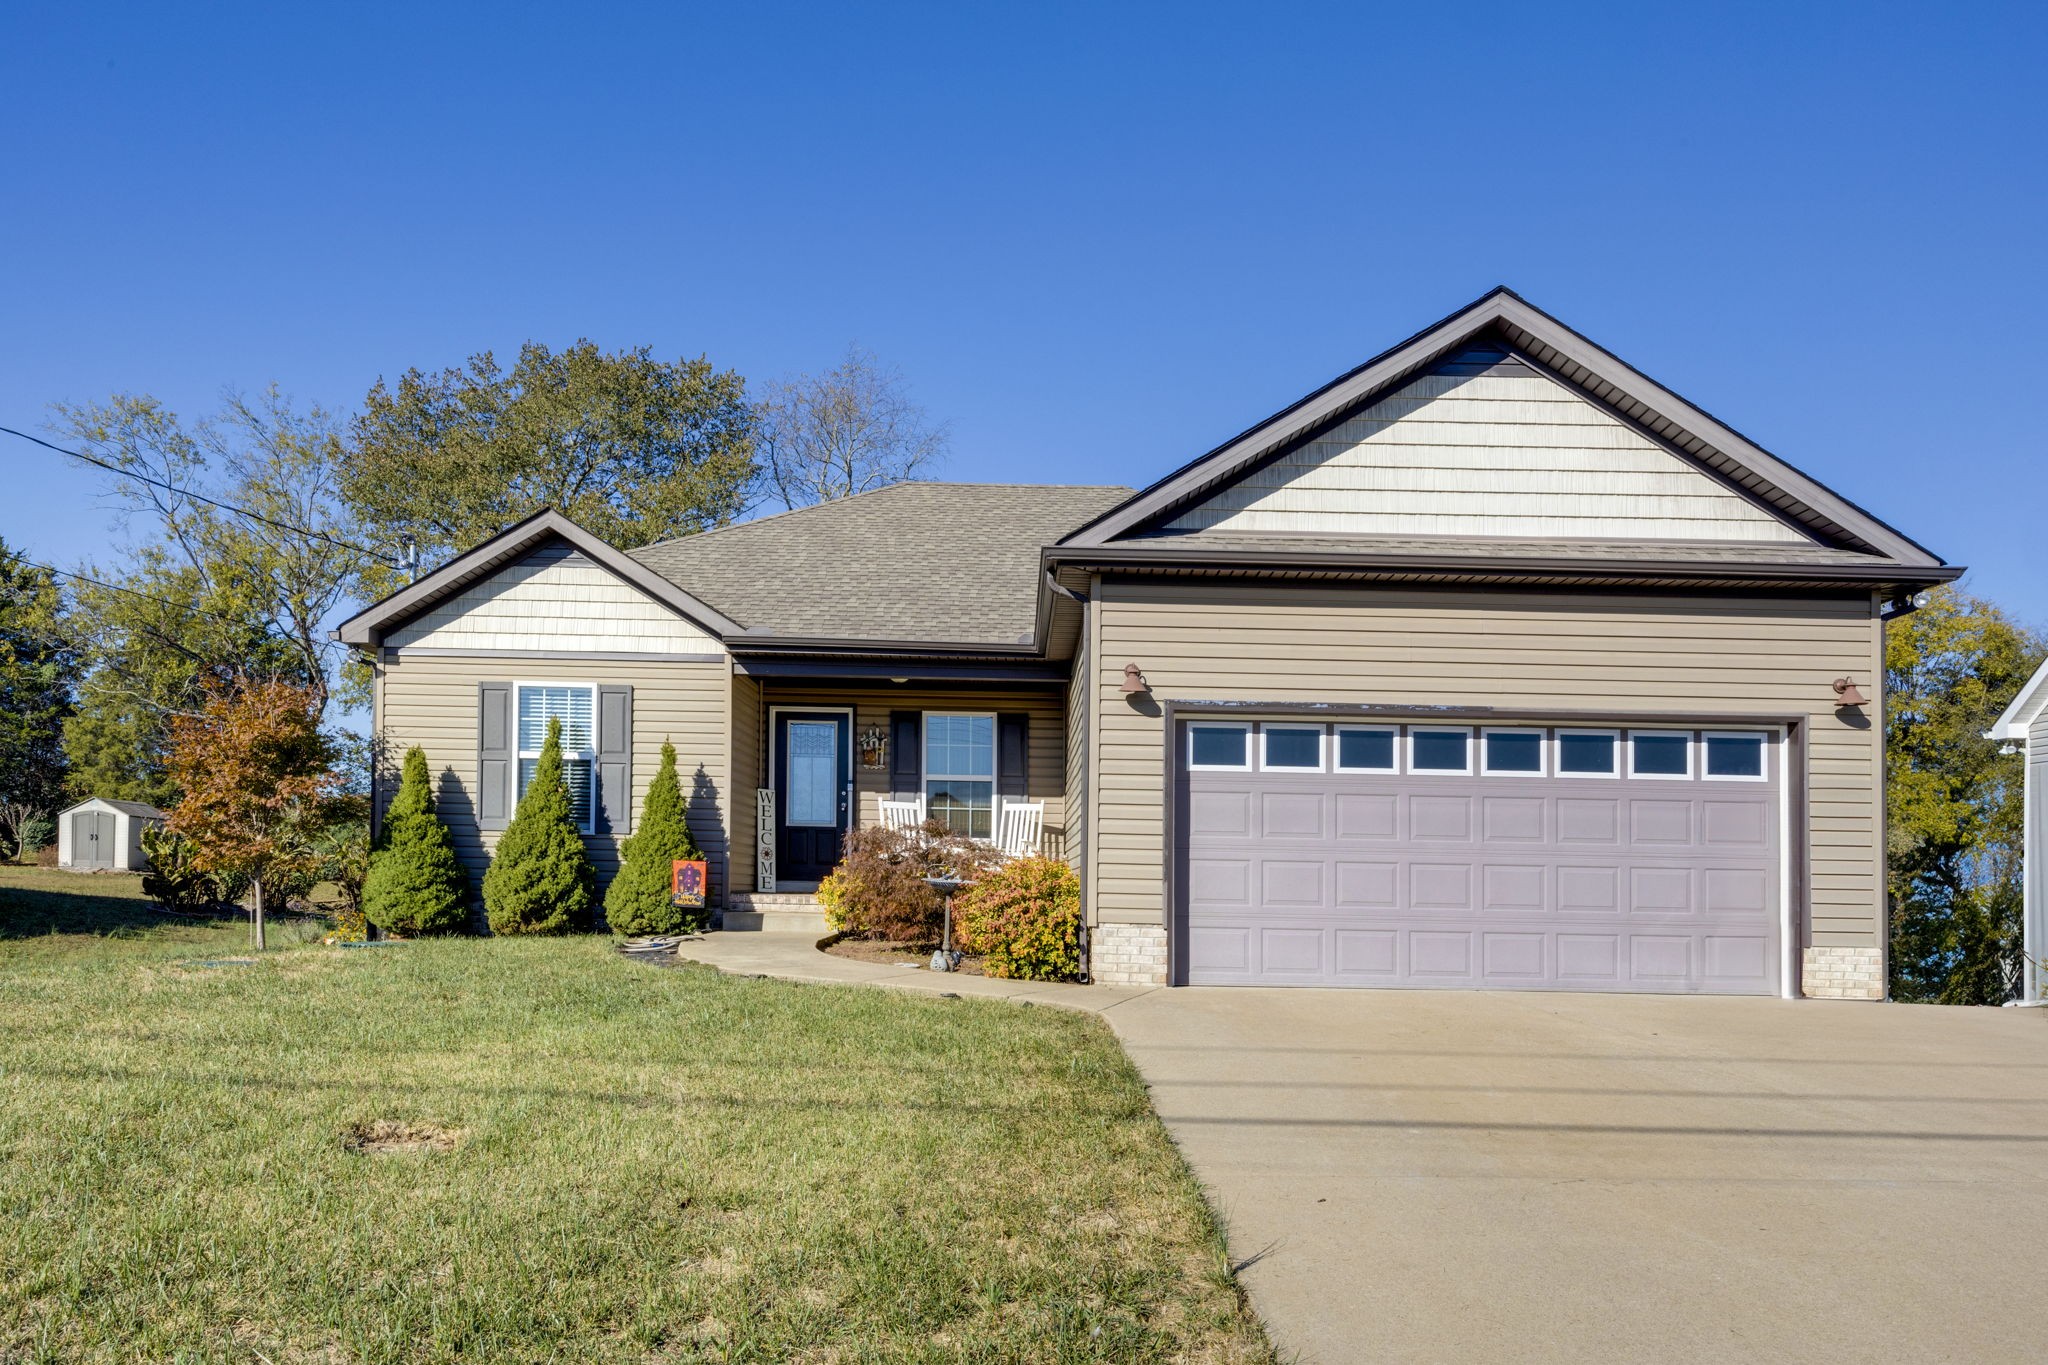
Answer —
113 468
116 587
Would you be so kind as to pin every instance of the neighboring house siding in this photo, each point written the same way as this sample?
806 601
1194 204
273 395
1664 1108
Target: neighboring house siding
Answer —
1501 453
1616 654
1047 780
432 702
2034 866
554 599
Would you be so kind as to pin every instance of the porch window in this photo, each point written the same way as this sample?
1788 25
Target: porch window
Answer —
576 708
960 772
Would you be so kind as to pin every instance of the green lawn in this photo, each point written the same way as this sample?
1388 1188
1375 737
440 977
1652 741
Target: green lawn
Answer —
647 1164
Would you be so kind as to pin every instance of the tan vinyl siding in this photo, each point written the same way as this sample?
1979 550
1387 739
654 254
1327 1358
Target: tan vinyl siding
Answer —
1543 651
549 601
1075 798
1500 454
432 702
1046 780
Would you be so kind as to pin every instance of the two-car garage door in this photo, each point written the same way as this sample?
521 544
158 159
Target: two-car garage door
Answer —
1569 858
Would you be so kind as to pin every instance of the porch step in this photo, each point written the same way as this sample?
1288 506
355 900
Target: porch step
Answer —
780 912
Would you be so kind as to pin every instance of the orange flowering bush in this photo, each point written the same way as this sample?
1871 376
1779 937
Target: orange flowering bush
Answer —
1024 918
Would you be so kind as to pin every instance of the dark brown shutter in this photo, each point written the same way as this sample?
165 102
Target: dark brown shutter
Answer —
497 755
906 754
614 761
1013 755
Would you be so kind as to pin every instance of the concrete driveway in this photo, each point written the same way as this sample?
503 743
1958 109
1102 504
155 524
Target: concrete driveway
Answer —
1437 1176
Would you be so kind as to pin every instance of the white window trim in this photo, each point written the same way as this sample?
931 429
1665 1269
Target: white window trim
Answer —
995 763
1322 747
1246 726
1614 768
1465 730
1337 764
588 757
1542 751
1764 753
1691 743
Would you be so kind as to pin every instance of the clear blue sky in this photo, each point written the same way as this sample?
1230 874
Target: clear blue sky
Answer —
1096 240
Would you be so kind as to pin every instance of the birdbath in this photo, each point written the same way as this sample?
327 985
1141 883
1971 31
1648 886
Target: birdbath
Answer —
945 959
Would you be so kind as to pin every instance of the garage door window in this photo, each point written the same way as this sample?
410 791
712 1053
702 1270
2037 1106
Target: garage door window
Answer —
1588 753
1223 747
1292 748
1662 754
1512 753
1732 757
1364 750
1439 751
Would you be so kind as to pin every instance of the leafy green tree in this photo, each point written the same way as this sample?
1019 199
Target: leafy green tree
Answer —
540 880
416 886
38 673
634 448
208 598
1953 800
638 901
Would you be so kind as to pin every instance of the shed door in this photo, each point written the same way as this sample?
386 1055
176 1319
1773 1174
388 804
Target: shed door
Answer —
1589 858
92 839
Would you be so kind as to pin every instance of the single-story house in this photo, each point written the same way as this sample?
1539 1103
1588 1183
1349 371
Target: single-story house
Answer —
1492 663
2025 726
99 835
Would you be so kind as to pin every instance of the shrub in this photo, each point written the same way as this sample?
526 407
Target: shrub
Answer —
639 899
174 882
1024 918
415 886
38 832
540 880
878 889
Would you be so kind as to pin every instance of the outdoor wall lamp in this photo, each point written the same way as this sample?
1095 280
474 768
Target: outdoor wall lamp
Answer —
1847 694
1134 682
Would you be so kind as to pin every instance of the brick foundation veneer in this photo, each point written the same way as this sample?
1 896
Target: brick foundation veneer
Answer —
1843 974
1127 955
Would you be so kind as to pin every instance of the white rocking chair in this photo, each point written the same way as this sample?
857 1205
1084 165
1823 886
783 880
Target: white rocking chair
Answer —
1019 828
903 814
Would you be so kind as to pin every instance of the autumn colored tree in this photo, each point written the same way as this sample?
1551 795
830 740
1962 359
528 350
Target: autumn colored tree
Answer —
258 782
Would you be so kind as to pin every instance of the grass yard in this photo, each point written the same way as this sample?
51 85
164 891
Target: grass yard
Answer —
615 1162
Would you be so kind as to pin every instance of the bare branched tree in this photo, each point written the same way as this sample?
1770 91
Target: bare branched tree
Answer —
847 430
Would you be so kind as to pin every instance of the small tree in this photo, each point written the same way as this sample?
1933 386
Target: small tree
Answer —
256 774
416 886
540 880
639 900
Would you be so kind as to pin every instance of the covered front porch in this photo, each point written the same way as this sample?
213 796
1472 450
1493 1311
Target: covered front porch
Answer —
816 756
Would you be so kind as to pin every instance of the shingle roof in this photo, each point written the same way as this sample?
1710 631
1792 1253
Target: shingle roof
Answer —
944 563
143 809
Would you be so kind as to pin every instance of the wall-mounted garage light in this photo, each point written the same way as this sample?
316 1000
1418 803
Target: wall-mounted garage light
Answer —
1134 682
1847 695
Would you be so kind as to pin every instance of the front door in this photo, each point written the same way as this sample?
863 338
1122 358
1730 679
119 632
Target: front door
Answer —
813 792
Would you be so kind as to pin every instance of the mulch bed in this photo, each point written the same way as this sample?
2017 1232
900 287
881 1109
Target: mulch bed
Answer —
909 954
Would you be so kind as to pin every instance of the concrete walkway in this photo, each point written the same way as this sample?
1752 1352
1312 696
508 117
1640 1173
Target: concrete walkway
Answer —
795 957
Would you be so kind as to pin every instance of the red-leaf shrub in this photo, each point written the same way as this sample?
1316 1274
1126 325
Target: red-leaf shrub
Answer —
878 890
1024 918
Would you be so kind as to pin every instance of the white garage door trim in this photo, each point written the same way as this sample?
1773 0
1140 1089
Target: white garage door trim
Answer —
1792 784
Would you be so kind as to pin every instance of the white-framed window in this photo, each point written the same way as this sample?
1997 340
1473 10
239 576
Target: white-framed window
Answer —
1290 748
1588 753
1223 745
1664 755
1734 756
575 705
1368 748
1511 752
960 771
1442 749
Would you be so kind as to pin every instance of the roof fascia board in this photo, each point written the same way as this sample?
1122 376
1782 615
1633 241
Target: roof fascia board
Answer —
745 643
367 627
1010 673
1466 565
2027 705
